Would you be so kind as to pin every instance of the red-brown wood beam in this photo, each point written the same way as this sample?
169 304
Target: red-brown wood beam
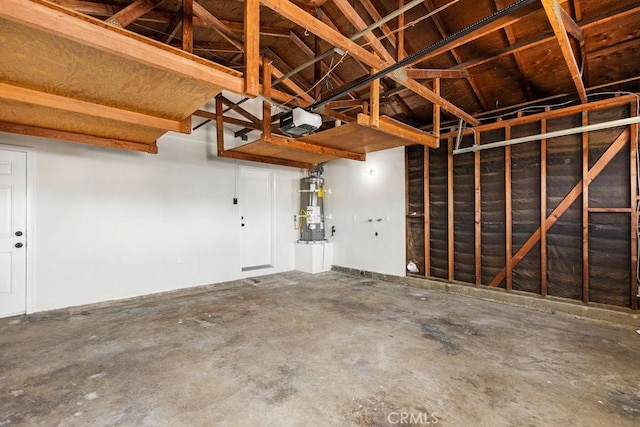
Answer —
219 118
543 209
264 159
313 148
633 152
439 24
520 62
571 26
577 10
266 106
400 50
210 21
374 97
187 25
77 137
428 73
554 14
129 14
252 48
295 14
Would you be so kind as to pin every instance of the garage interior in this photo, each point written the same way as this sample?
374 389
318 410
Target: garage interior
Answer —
319 212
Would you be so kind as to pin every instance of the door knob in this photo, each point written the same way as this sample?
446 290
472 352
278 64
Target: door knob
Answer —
241 225
18 245
18 233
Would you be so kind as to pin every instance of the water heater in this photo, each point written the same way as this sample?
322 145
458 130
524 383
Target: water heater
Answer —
311 217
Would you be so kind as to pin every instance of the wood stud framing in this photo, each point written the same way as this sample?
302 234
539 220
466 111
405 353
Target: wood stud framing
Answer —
585 209
548 219
634 200
508 222
543 209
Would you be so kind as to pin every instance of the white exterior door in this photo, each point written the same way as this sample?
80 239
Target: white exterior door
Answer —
256 218
13 221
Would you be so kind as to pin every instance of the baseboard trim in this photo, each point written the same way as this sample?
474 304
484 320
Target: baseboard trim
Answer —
618 316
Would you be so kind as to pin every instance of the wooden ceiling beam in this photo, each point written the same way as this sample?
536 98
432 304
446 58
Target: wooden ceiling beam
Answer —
552 9
214 23
577 10
301 44
300 92
265 30
238 109
135 10
313 148
30 96
400 77
429 73
162 17
571 26
603 22
610 49
77 138
520 62
174 26
319 28
263 159
376 16
438 22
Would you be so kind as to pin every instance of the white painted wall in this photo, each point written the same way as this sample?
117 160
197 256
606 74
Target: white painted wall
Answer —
111 224
358 196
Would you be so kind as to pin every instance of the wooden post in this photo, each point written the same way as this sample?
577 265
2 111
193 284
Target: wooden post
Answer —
266 105
187 25
436 111
427 216
400 39
450 223
633 148
374 98
508 213
585 210
219 125
478 208
543 209
251 47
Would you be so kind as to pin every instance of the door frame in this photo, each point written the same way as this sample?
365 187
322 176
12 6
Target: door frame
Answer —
272 198
30 227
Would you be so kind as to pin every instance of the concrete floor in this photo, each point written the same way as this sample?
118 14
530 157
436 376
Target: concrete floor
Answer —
301 350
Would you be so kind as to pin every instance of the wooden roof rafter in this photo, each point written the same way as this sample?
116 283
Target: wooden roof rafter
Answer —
520 63
290 11
134 11
555 15
438 22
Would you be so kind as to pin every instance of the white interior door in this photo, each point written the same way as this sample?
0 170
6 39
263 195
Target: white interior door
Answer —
256 218
13 221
